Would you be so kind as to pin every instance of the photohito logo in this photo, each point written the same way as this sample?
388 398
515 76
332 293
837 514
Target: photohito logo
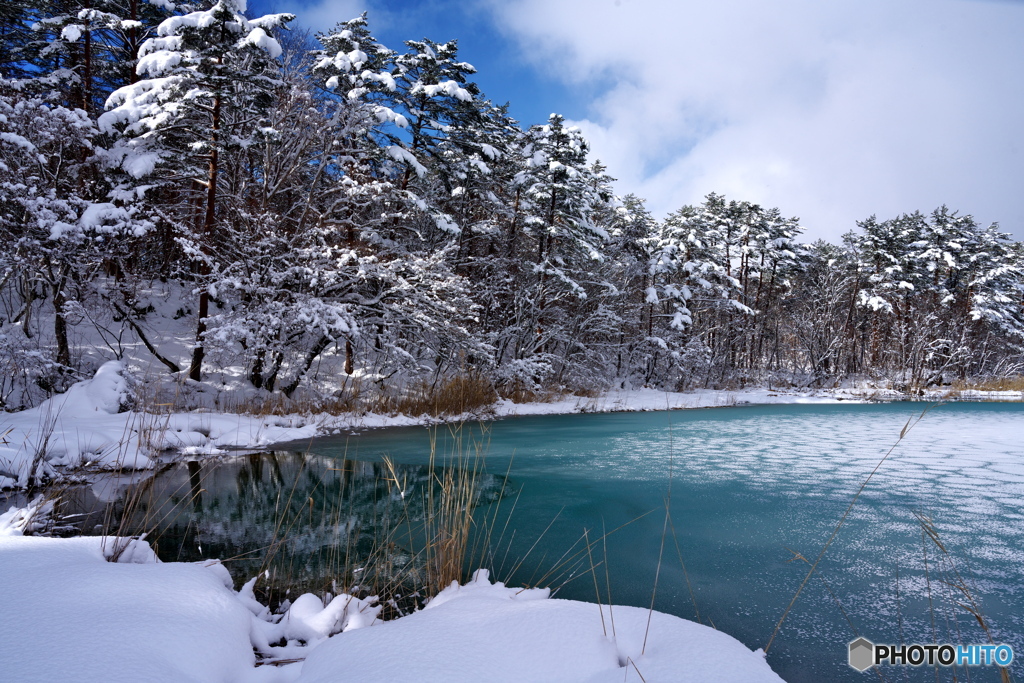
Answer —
864 654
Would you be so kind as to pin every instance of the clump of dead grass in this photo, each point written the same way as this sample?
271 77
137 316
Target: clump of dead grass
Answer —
521 392
1012 383
469 393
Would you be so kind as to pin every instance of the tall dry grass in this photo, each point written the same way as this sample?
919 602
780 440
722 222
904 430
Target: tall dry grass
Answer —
1013 383
402 534
943 574
452 535
468 393
459 395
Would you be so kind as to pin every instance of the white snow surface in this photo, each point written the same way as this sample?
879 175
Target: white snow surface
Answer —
79 426
77 615
83 427
622 400
488 632
71 615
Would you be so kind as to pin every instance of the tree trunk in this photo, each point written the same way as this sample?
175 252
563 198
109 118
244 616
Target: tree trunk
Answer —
58 281
198 353
256 374
313 354
60 325
87 75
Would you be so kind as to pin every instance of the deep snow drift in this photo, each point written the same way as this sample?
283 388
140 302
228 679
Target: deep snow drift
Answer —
487 632
71 614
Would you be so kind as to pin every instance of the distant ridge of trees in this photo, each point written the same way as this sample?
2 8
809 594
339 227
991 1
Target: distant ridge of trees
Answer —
333 200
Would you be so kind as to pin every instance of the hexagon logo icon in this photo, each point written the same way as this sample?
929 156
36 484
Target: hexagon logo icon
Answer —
862 654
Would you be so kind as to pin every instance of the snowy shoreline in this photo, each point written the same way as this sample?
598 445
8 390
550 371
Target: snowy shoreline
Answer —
83 430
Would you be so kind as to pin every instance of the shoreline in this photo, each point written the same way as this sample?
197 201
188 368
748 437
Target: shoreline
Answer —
82 430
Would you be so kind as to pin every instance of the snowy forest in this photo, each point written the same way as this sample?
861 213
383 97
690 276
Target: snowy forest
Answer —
220 195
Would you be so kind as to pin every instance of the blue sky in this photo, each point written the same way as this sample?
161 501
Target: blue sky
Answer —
503 74
832 111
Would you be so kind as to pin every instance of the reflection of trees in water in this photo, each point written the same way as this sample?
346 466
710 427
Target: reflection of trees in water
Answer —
315 519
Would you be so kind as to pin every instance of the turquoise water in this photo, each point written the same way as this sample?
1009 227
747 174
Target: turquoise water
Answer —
748 489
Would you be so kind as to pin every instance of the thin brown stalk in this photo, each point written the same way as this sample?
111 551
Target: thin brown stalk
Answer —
911 423
597 591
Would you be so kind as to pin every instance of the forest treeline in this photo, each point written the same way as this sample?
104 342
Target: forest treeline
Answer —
330 200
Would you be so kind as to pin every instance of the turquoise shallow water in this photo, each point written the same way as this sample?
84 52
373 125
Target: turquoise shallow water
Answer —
750 488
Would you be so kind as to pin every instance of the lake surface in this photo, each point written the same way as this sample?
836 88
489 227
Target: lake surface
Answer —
751 490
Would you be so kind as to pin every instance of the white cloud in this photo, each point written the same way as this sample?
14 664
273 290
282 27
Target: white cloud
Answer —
829 110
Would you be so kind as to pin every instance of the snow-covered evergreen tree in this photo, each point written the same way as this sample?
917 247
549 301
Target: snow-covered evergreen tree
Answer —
557 234
209 77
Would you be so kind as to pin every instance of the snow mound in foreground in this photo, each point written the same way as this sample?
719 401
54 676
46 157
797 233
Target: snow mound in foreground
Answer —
81 426
488 632
72 615
75 615
105 394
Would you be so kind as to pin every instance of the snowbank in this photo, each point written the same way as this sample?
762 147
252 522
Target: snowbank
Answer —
652 399
76 615
71 615
87 427
82 425
487 632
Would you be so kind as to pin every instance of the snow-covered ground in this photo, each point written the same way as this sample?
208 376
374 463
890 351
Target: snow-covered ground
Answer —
83 427
653 399
104 609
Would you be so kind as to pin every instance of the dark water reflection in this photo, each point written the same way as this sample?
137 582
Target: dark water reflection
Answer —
311 521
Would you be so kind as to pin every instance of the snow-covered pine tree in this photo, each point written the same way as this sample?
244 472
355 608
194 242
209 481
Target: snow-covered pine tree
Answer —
970 282
769 265
891 292
208 78
996 289
317 205
633 231
560 197
819 315
16 20
328 266
693 290
438 100
89 48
